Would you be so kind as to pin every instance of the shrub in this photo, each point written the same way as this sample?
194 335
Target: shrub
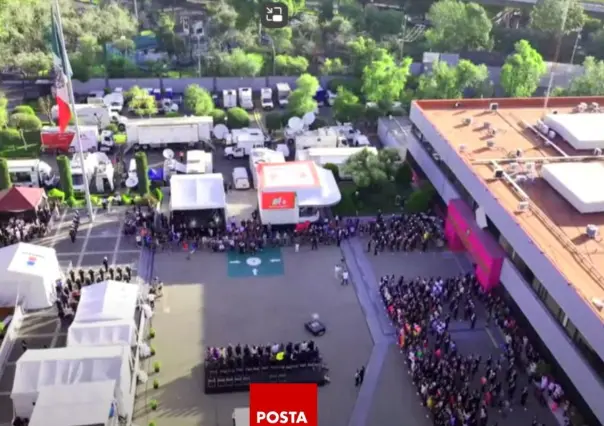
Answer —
56 194
155 384
403 175
142 172
112 127
237 118
334 169
151 333
153 404
72 202
153 351
10 137
419 201
158 194
152 423
219 116
65 178
25 122
5 180
273 120
156 366
172 114
24 109
126 199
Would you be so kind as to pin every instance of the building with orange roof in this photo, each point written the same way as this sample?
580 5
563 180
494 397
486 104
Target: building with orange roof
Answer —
523 182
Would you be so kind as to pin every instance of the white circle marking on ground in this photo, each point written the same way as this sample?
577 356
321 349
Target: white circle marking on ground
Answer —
253 261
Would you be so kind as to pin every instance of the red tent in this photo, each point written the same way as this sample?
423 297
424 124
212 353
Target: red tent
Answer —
20 199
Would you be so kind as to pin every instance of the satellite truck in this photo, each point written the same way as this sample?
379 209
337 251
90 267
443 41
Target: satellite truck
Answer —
283 92
169 132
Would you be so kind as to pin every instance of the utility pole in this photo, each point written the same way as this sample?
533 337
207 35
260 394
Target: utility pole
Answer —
557 55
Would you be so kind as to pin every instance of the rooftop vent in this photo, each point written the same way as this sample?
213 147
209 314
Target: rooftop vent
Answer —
490 144
467 121
493 106
598 151
551 134
521 178
518 153
542 127
498 173
598 303
514 168
531 167
522 206
582 107
463 148
594 107
592 231
487 125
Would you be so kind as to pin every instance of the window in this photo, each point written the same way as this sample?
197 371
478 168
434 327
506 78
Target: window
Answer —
522 268
20 177
570 328
553 307
506 246
492 229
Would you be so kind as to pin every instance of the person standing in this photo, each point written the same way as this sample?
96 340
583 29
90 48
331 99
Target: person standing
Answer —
361 375
337 271
524 397
344 277
357 379
106 263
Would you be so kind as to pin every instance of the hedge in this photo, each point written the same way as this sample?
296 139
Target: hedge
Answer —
237 118
65 179
24 109
5 180
25 122
334 169
219 116
142 171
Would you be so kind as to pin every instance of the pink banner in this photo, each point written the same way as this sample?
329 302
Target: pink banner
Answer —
463 234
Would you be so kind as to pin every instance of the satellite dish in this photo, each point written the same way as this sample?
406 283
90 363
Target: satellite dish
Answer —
309 118
295 123
220 131
131 182
168 154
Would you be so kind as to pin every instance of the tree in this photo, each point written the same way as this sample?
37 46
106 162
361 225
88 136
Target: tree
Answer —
369 170
65 179
591 83
384 80
25 122
458 26
557 16
301 100
333 66
347 106
238 63
86 57
522 71
337 33
141 102
306 31
404 175
5 180
218 116
445 82
237 118
142 172
24 109
363 52
167 39
3 111
198 100
290 65
45 103
273 121
281 39
334 169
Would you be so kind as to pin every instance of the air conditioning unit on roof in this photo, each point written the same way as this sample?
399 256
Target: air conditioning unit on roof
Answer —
518 153
493 106
463 148
598 303
592 231
467 121
522 206
490 144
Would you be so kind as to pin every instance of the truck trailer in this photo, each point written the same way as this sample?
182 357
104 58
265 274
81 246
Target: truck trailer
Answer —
164 132
53 140
336 156
320 138
94 115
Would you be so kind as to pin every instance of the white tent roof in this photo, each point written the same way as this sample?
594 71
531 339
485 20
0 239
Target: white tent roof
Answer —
107 301
119 332
30 273
197 192
579 183
580 130
74 405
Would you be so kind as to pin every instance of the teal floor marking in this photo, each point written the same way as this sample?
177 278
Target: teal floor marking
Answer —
262 264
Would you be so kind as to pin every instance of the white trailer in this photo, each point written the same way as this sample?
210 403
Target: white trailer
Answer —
52 139
320 138
283 92
31 173
263 155
266 98
229 98
98 169
199 162
336 156
163 132
94 115
246 100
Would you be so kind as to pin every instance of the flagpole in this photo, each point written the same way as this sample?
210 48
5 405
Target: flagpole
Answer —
72 103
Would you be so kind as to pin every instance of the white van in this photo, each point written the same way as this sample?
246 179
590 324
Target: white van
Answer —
241 416
241 179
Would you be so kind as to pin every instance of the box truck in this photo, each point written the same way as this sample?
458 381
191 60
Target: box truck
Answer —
336 156
266 98
283 92
95 115
229 99
164 132
241 142
98 169
199 162
53 140
320 138
33 173
246 100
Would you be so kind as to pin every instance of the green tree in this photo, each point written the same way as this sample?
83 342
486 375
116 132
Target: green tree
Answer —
141 102
3 111
86 57
65 179
419 201
363 52
445 82
281 39
238 63
557 16
198 100
591 83
301 100
24 109
522 71
290 65
306 34
237 118
334 169
404 175
384 80
333 66
142 172
45 104
273 120
337 33
218 116
5 180
369 170
347 106
167 39
458 26
25 122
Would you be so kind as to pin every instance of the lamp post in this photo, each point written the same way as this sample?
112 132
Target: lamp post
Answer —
575 46
558 45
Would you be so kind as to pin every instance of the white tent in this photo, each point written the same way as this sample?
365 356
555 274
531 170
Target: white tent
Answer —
38 368
107 301
75 405
30 274
197 192
118 332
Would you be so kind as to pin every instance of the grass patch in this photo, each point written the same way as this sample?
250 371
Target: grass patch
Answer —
367 202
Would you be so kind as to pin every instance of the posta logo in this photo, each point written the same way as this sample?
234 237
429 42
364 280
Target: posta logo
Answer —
283 404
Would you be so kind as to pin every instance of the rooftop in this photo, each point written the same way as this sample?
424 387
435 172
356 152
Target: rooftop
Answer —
481 135
290 175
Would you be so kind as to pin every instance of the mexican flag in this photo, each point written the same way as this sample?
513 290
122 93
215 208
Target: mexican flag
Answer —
61 69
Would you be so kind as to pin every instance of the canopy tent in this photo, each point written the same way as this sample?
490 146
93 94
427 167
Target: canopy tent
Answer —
30 273
197 192
38 368
75 405
19 199
107 301
119 332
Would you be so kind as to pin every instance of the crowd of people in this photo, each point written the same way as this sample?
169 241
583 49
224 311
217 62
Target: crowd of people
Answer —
460 389
21 230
